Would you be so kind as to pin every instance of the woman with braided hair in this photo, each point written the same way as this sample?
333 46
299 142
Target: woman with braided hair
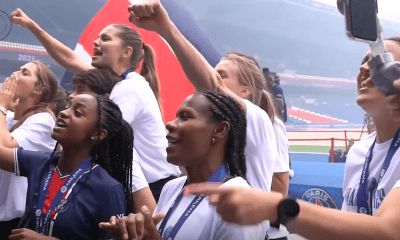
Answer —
121 49
208 138
100 82
72 191
236 75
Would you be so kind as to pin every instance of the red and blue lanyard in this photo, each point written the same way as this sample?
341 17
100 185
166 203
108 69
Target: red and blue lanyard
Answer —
218 176
367 187
42 220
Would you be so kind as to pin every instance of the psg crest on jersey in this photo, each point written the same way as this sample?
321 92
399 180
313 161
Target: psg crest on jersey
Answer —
319 197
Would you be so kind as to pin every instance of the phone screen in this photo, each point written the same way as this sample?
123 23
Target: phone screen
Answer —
363 19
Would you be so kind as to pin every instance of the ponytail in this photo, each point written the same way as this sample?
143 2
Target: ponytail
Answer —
130 37
267 104
149 72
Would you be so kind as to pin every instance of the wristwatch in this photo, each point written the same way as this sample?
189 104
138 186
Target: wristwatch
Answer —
288 209
3 110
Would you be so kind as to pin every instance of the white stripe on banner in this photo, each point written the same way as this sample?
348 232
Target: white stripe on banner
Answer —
82 53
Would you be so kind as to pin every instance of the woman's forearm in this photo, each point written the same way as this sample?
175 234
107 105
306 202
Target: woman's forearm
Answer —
62 54
280 182
143 197
316 222
251 206
199 72
6 155
6 139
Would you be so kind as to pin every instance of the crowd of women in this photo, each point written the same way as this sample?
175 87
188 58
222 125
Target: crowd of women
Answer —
99 163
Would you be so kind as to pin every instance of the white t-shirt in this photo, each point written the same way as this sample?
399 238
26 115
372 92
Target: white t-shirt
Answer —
140 109
34 134
282 163
138 179
204 222
354 165
260 150
397 184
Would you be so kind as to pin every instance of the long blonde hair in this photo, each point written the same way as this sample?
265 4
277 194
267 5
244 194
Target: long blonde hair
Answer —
250 74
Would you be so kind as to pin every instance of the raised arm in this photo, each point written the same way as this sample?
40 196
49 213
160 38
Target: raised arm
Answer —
63 55
7 142
151 15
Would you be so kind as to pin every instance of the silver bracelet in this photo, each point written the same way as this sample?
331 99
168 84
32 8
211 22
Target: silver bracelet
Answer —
3 110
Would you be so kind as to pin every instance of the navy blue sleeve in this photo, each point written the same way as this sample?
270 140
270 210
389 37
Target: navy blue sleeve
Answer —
284 111
30 163
113 204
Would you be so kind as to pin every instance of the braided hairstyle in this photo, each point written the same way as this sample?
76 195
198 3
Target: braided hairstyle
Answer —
225 108
115 152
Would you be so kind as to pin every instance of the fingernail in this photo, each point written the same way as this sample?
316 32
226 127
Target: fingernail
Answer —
125 236
145 209
186 191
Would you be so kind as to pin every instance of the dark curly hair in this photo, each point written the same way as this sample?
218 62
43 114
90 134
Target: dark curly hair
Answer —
225 108
100 81
115 152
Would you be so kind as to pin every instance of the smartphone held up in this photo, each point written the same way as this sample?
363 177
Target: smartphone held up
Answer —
362 24
361 20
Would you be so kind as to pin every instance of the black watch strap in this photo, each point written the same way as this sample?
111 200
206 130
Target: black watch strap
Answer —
288 209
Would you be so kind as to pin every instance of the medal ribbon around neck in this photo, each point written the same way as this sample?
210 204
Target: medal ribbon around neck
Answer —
41 223
218 176
366 189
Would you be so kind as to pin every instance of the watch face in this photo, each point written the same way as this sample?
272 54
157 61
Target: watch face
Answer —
290 208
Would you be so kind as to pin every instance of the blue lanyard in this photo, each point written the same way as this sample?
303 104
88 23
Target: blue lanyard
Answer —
124 74
170 234
366 187
41 223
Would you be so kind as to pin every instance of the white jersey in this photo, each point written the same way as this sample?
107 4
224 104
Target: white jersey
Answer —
33 134
397 184
282 163
140 109
260 150
354 165
204 222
